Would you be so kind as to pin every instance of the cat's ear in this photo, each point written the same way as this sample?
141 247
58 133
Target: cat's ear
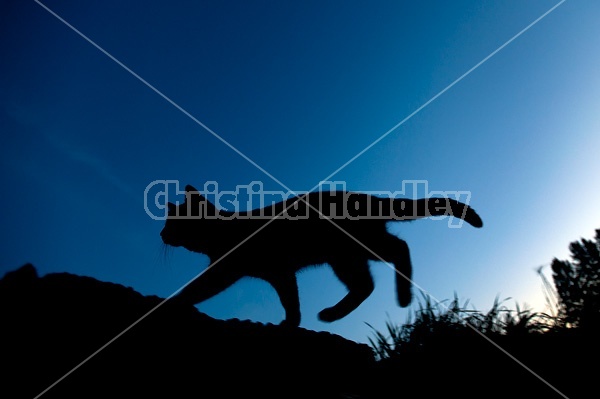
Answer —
171 207
192 195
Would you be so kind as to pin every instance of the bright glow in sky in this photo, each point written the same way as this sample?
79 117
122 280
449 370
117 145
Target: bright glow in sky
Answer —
300 88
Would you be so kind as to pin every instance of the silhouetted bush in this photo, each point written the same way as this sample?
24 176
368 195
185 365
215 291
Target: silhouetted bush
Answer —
577 284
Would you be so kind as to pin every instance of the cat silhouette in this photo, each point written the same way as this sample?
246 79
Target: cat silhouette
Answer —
256 243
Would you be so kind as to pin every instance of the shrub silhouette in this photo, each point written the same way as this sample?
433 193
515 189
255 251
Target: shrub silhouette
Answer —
577 284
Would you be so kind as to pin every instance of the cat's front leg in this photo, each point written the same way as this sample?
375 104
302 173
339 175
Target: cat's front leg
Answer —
287 289
215 279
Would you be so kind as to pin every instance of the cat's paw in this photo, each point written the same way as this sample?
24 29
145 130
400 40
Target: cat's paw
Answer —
289 323
328 315
404 297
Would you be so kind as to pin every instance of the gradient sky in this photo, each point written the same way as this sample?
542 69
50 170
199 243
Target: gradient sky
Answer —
300 88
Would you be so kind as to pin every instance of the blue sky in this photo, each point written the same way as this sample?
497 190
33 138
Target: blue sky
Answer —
300 88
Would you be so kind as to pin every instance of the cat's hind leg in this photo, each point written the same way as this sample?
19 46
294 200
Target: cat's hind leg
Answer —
395 251
356 276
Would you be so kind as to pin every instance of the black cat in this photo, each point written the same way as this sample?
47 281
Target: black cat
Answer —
300 237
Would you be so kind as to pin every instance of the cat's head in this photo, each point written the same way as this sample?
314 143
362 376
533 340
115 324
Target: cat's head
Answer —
181 225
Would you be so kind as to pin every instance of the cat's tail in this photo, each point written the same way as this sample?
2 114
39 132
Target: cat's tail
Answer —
409 209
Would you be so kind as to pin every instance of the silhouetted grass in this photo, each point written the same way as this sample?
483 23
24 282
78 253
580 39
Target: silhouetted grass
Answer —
440 321
447 348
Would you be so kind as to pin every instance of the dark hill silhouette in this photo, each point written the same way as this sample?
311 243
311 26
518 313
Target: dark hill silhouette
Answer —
50 324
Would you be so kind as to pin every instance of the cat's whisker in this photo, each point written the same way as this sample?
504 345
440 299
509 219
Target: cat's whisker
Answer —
166 250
